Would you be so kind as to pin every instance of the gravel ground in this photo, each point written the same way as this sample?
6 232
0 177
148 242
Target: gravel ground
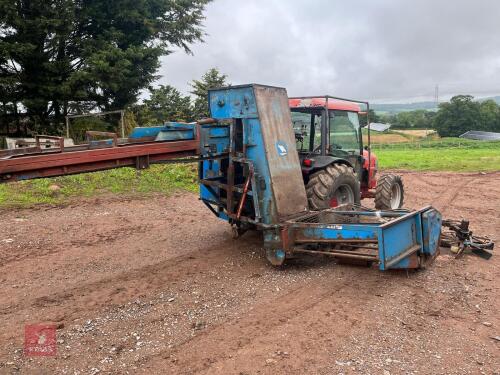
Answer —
158 286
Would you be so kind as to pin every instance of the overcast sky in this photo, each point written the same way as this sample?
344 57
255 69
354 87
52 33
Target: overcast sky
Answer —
381 50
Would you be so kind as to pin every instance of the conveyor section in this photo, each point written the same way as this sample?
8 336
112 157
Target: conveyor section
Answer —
143 147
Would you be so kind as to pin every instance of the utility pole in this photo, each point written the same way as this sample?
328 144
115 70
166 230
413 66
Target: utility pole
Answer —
436 94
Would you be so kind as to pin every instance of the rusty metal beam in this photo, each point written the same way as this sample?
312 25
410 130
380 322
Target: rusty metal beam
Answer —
337 254
71 162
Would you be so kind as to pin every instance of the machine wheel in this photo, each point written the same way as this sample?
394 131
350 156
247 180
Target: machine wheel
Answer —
330 187
389 194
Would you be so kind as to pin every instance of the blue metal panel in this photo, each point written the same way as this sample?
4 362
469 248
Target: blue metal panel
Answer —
214 141
398 239
175 135
255 152
278 178
218 132
142 132
232 103
107 142
431 230
171 131
341 232
210 169
287 184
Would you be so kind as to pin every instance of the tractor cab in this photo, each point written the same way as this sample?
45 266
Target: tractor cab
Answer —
326 128
337 169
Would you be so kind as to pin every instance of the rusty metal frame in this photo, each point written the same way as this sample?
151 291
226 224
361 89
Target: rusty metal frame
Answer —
72 162
229 186
90 134
60 141
98 114
244 194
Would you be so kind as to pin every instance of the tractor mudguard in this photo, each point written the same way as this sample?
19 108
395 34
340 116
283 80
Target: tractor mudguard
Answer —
320 162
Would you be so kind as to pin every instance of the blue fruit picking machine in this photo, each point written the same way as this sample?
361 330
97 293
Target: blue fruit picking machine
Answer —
250 175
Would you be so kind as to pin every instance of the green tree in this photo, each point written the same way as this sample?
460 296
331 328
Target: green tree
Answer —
387 118
372 115
461 114
211 79
33 59
418 119
490 116
166 103
97 54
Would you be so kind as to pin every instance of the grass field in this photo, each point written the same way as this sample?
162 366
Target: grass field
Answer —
446 154
398 136
452 154
434 159
163 179
384 138
415 133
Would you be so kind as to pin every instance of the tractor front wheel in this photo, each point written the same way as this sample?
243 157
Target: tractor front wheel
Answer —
389 194
333 186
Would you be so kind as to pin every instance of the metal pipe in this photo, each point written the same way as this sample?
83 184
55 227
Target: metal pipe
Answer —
206 121
243 198
369 213
122 121
121 112
369 141
401 256
95 114
337 255
329 96
333 241
326 131
67 126
404 217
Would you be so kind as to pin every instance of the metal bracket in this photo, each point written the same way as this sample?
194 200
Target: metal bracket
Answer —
142 162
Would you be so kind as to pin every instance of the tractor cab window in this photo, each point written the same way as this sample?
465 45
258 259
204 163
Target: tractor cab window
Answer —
344 132
307 127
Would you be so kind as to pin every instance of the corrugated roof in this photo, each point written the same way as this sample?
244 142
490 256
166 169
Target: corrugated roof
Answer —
378 127
481 136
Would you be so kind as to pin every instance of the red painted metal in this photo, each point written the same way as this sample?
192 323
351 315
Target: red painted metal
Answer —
307 163
244 196
320 102
370 164
334 202
366 193
70 162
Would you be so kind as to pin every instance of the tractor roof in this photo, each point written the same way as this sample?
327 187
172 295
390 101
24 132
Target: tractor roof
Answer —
341 105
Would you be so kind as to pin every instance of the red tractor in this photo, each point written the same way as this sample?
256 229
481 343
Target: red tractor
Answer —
337 169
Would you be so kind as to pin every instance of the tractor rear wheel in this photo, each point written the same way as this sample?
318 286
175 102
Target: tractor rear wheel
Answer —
330 187
389 194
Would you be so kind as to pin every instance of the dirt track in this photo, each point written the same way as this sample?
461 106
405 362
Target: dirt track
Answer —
159 286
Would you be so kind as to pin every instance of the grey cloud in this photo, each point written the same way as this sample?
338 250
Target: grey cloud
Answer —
385 49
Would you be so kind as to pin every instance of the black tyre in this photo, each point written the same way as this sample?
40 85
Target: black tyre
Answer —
335 185
389 194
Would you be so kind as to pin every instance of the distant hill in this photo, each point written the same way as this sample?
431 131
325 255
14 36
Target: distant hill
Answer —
403 107
406 107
